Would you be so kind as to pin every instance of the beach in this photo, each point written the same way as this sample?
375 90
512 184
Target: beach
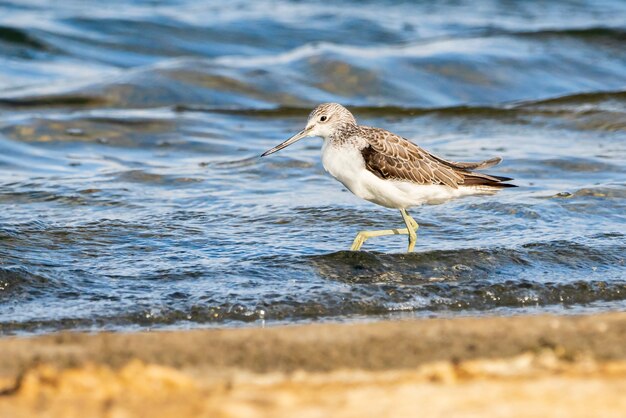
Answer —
153 264
521 366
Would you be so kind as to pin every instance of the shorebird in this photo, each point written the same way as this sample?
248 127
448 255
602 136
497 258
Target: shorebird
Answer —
389 170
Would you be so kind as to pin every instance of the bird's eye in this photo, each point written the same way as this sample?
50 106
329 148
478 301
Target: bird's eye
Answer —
323 118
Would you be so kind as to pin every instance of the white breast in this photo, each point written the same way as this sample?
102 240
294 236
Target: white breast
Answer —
346 164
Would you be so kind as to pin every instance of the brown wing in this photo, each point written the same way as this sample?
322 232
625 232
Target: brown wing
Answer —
390 156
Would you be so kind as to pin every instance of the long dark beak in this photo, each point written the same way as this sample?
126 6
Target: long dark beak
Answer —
288 142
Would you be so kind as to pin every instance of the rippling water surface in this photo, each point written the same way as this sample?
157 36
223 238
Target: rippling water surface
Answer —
132 195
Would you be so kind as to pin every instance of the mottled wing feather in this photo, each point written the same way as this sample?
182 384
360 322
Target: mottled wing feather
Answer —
391 156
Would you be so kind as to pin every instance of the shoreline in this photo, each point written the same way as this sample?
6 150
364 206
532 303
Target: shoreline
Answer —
469 363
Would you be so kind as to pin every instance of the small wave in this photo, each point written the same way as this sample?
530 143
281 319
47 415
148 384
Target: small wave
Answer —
463 264
602 192
19 283
558 106
373 300
590 33
580 98
21 37
438 74
583 165
19 156
60 100
141 176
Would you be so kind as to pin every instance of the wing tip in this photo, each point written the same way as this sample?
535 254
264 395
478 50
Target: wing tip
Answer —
488 180
489 163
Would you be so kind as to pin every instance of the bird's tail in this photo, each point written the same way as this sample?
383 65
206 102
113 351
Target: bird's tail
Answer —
486 180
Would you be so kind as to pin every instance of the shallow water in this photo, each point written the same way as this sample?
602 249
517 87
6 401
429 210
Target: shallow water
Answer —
132 195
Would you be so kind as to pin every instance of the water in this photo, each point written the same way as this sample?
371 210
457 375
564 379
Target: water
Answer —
132 195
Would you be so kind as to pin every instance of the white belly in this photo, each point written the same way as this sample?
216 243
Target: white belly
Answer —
346 164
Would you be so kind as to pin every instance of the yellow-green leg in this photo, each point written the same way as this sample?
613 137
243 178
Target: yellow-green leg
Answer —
409 230
411 227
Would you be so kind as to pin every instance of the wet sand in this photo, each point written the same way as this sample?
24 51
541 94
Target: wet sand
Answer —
471 367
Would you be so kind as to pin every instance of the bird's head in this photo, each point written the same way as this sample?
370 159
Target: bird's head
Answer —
323 121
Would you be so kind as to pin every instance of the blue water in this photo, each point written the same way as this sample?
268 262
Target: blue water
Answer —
132 195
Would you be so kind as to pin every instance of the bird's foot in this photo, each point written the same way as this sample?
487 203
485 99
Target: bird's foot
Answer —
358 241
362 236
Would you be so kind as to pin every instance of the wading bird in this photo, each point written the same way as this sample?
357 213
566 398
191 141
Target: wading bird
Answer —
391 171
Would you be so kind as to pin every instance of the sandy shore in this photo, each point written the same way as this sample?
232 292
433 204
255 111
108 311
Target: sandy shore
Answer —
467 367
